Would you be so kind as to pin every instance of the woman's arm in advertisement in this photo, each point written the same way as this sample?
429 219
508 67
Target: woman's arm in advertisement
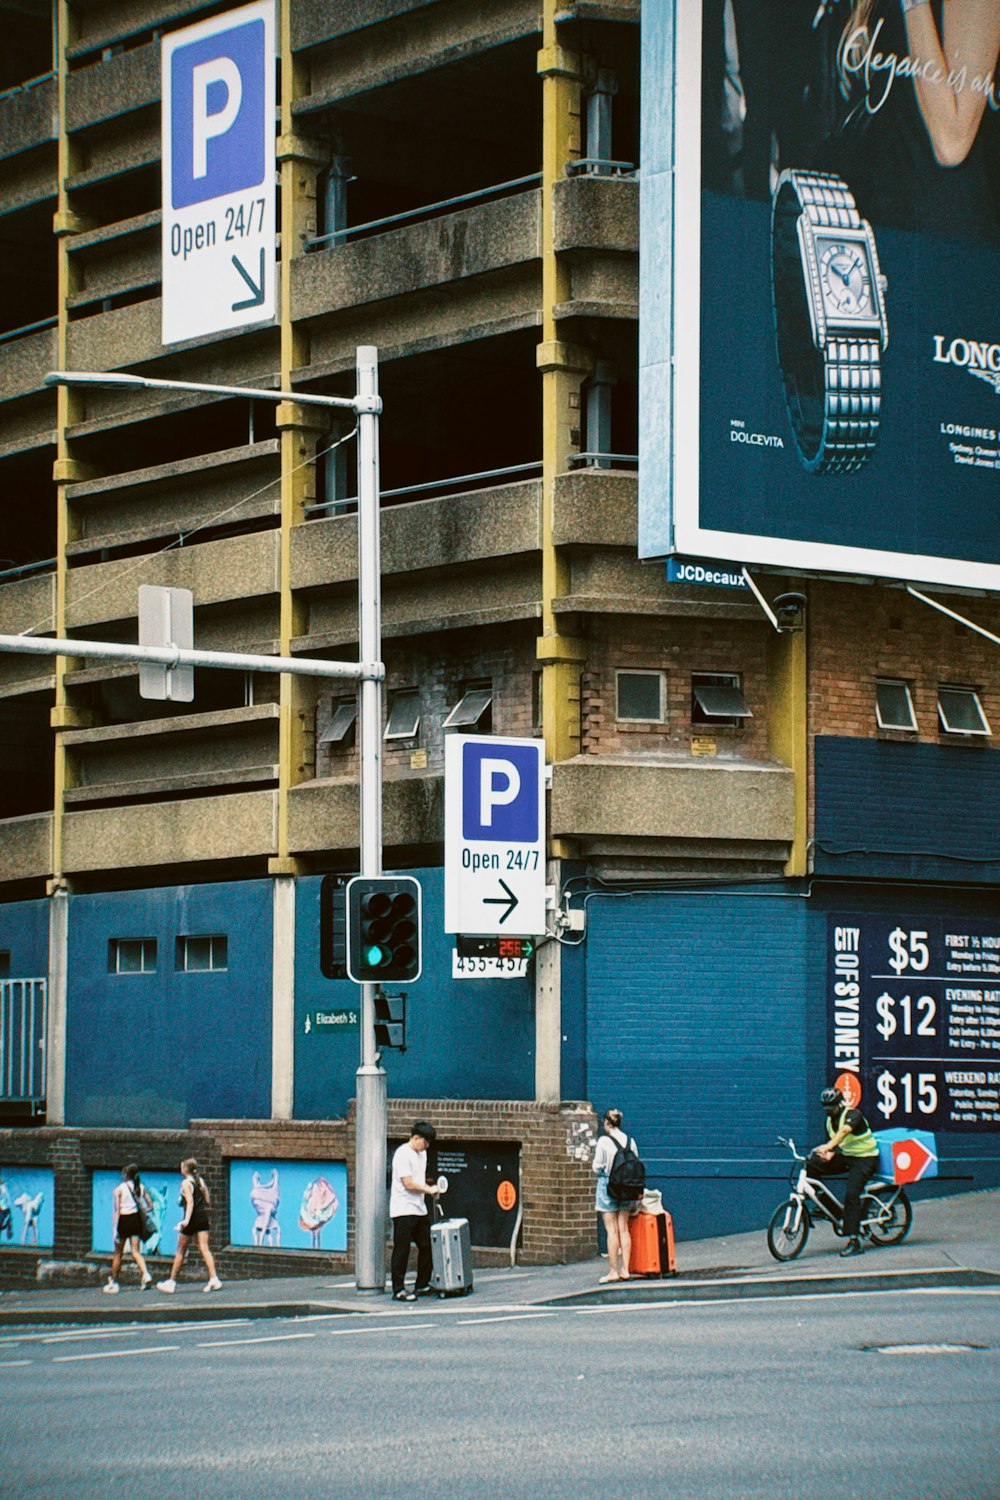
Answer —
955 74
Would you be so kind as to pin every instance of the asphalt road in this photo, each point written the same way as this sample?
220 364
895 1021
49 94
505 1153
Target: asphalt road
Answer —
885 1396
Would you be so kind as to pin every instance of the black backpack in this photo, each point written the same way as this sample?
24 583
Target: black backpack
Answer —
627 1178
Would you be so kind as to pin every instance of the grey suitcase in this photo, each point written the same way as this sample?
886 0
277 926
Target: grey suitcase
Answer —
451 1249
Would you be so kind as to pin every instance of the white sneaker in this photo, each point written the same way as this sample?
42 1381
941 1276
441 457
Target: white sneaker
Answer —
166 1286
111 1287
213 1284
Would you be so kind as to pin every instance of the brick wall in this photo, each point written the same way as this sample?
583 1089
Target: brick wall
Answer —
557 1143
860 633
503 659
678 646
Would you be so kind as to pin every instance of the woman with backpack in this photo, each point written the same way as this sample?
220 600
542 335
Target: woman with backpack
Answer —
616 1154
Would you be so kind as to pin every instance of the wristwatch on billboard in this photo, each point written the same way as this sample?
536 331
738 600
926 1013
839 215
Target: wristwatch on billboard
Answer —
829 319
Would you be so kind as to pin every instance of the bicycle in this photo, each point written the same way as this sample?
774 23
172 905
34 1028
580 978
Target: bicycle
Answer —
886 1214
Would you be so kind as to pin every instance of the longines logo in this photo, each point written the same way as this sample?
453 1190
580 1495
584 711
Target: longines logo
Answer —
978 358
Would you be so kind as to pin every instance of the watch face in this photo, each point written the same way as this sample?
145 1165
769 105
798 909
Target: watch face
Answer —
846 279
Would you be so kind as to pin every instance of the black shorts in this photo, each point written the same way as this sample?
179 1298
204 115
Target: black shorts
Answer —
199 1223
129 1227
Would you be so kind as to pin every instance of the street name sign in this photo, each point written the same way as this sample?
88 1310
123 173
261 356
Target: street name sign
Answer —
219 173
494 819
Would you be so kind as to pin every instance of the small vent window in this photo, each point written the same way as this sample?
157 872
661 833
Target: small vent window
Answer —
961 712
132 956
472 711
717 699
894 705
404 716
203 955
641 697
340 730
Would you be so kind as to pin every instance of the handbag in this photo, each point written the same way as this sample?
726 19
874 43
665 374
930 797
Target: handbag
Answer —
147 1224
651 1202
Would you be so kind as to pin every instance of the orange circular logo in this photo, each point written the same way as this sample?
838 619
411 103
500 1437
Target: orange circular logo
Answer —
850 1086
506 1195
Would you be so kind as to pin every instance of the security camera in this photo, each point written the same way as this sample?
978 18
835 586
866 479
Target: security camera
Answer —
789 610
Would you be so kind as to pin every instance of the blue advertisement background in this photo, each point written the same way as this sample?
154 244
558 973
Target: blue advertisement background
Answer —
910 496
163 1188
288 1205
30 1221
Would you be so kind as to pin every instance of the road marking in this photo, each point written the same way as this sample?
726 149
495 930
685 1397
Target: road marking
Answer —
13 1364
272 1338
140 1329
66 1359
505 1318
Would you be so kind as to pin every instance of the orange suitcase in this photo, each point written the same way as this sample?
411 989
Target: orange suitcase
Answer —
652 1245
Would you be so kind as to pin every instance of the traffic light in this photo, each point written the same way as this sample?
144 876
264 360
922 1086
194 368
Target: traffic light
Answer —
333 927
383 928
390 1021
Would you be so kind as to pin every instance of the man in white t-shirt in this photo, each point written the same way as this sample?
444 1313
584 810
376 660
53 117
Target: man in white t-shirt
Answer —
411 1223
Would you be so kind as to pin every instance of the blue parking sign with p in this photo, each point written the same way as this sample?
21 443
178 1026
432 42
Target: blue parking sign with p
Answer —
500 792
217 125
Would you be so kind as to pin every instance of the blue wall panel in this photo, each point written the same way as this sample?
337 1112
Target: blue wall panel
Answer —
697 1032
160 1049
907 812
24 934
466 1038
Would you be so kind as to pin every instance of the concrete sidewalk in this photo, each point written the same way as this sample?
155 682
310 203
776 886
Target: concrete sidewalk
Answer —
954 1241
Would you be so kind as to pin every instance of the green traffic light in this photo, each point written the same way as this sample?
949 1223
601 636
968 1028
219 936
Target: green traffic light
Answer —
375 956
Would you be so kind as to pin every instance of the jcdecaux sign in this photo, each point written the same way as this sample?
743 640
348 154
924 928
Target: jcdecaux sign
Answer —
218 173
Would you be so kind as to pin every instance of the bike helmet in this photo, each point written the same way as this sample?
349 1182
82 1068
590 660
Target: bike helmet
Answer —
831 1099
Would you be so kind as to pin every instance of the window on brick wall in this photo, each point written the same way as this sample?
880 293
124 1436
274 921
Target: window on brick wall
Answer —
403 718
960 711
640 697
132 955
894 705
474 709
717 699
202 954
339 733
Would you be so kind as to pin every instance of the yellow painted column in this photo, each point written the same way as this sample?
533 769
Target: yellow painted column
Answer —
563 368
69 410
788 734
300 428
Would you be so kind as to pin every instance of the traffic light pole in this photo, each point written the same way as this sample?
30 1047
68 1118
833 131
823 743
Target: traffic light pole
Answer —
370 1093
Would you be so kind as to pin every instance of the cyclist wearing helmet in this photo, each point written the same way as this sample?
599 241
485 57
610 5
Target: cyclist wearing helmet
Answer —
850 1150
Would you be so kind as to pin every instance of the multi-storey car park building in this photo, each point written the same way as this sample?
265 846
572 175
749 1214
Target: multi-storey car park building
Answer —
458 187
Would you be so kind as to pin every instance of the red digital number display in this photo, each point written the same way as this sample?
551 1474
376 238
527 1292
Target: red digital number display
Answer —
509 948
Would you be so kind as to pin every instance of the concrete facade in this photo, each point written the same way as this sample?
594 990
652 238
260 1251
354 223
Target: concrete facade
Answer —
439 199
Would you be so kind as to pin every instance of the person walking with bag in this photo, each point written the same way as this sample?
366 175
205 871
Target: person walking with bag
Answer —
617 1200
127 1227
195 1200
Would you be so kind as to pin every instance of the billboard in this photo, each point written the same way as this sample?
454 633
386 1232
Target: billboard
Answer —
289 1205
820 286
913 1020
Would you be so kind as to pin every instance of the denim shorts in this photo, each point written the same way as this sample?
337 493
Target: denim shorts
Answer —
606 1205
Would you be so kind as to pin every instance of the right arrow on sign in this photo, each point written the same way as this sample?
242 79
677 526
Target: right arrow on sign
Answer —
510 901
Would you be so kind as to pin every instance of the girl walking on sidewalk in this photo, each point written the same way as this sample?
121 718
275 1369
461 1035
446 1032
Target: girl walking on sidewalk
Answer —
127 1227
195 1199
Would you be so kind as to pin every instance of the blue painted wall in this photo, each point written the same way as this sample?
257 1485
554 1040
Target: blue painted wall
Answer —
466 1039
24 934
697 1032
907 812
160 1049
